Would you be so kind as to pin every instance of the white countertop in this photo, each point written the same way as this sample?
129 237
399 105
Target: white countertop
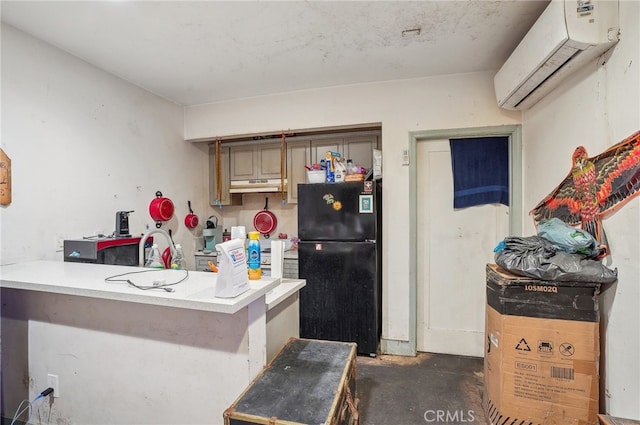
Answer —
283 291
88 280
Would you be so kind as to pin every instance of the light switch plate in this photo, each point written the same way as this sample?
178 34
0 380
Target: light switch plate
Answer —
405 157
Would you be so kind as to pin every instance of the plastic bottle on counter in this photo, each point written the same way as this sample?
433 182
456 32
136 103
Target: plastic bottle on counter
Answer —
155 260
253 256
178 261
351 167
226 235
329 172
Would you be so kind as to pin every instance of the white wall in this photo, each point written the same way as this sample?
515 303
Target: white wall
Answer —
597 108
85 144
454 101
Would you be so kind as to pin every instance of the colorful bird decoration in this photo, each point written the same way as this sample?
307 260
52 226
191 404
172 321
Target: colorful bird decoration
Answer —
594 188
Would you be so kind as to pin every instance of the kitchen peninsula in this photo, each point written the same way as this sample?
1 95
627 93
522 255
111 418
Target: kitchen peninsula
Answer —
124 355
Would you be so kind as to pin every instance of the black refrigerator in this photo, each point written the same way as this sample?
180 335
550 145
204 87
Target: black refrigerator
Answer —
340 256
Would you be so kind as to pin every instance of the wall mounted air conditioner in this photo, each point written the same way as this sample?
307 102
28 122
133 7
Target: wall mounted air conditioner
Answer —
568 35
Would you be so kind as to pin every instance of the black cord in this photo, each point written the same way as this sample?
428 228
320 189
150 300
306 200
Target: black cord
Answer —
164 286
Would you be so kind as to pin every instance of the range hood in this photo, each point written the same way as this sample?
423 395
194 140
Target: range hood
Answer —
257 186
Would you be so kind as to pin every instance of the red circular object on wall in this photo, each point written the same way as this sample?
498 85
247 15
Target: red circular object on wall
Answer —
161 209
265 221
191 221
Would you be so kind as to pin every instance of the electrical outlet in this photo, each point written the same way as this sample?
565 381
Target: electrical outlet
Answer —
52 381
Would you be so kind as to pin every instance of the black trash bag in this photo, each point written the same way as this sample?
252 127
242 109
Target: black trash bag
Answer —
536 257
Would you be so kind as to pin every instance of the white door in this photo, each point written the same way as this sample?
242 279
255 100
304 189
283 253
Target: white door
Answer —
453 249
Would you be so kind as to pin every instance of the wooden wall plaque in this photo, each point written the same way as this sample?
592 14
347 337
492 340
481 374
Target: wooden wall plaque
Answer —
5 179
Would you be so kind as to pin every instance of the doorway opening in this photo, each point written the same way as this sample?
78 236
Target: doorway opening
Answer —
428 327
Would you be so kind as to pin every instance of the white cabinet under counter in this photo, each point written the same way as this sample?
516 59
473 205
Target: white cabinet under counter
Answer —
290 265
202 260
161 357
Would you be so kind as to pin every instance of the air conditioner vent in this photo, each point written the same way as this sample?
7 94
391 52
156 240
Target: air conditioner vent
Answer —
565 38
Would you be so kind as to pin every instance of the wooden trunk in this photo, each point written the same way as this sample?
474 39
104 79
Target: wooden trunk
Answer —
307 382
611 420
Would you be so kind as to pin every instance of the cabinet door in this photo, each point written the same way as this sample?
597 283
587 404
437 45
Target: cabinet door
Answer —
360 150
298 155
244 162
225 197
202 262
319 148
269 159
290 268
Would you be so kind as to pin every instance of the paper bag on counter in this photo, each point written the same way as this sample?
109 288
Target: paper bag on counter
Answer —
233 278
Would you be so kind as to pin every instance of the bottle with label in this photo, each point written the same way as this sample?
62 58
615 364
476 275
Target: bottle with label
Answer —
253 256
340 171
328 161
178 261
155 260
226 235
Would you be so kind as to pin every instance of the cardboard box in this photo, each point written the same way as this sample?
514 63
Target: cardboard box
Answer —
542 351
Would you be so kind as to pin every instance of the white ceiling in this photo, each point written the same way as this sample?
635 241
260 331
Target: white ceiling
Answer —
194 52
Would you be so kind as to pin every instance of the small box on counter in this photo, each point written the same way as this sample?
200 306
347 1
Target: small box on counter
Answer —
354 178
316 176
541 350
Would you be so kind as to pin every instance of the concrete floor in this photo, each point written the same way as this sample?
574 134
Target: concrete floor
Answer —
429 388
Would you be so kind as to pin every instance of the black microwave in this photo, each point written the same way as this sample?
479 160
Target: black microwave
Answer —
119 251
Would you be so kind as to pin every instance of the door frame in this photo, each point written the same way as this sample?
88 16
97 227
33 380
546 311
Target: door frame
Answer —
514 133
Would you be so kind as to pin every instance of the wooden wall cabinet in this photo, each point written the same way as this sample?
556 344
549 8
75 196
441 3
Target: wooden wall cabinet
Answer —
358 148
250 161
256 161
298 155
224 198
320 147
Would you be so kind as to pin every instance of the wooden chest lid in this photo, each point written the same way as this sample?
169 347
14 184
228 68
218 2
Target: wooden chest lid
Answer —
300 385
